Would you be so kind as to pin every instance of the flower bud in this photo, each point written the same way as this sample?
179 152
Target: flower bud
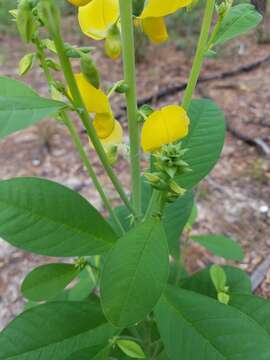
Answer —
113 46
112 153
89 70
26 64
25 20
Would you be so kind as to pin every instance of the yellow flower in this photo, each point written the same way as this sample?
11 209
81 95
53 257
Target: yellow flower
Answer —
114 138
164 126
160 8
96 17
79 2
104 125
155 29
94 99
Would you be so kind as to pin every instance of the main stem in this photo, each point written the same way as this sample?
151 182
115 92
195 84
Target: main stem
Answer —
126 18
84 116
200 53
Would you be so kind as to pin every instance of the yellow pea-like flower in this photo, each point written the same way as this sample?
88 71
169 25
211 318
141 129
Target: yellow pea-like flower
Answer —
114 138
155 29
160 8
104 125
94 99
97 16
164 126
79 2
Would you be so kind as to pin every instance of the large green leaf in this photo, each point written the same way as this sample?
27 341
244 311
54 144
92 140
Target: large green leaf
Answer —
47 218
135 274
221 246
99 352
21 107
240 19
54 331
193 326
175 218
237 280
255 307
46 281
205 141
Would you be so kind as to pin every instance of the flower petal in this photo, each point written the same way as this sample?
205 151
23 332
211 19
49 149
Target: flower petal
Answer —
155 29
104 125
96 17
160 8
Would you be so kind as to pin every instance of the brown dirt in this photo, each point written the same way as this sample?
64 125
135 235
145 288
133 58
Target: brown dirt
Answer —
233 200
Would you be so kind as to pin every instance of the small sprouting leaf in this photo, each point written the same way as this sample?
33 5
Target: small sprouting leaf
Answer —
221 246
240 19
46 281
218 276
131 349
26 63
135 274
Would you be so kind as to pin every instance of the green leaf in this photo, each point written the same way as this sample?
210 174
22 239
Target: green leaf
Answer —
255 307
205 141
21 107
240 19
135 274
47 218
218 277
175 218
131 349
46 281
237 281
221 246
193 326
100 352
54 331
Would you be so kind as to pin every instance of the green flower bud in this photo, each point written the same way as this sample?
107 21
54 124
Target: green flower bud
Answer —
113 46
89 70
112 154
121 87
25 20
53 65
26 64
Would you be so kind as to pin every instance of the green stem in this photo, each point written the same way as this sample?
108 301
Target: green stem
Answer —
77 142
83 114
200 52
126 18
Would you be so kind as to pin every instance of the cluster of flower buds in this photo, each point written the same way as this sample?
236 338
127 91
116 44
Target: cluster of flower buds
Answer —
223 8
168 164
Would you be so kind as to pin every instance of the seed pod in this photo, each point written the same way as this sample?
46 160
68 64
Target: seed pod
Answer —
25 20
90 71
26 63
113 46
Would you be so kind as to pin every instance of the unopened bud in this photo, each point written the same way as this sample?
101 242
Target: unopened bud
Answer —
26 64
152 178
89 70
113 46
176 188
112 154
25 20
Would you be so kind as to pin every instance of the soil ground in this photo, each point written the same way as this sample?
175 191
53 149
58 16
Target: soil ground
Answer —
235 198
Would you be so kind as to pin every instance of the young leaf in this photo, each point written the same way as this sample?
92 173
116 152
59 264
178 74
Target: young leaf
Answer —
135 274
204 141
237 281
218 276
21 107
54 331
46 281
131 349
240 19
193 326
47 218
221 246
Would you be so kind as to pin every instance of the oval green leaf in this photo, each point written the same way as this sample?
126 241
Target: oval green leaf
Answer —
221 246
46 281
54 331
21 107
193 326
135 274
131 349
204 141
240 19
47 218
